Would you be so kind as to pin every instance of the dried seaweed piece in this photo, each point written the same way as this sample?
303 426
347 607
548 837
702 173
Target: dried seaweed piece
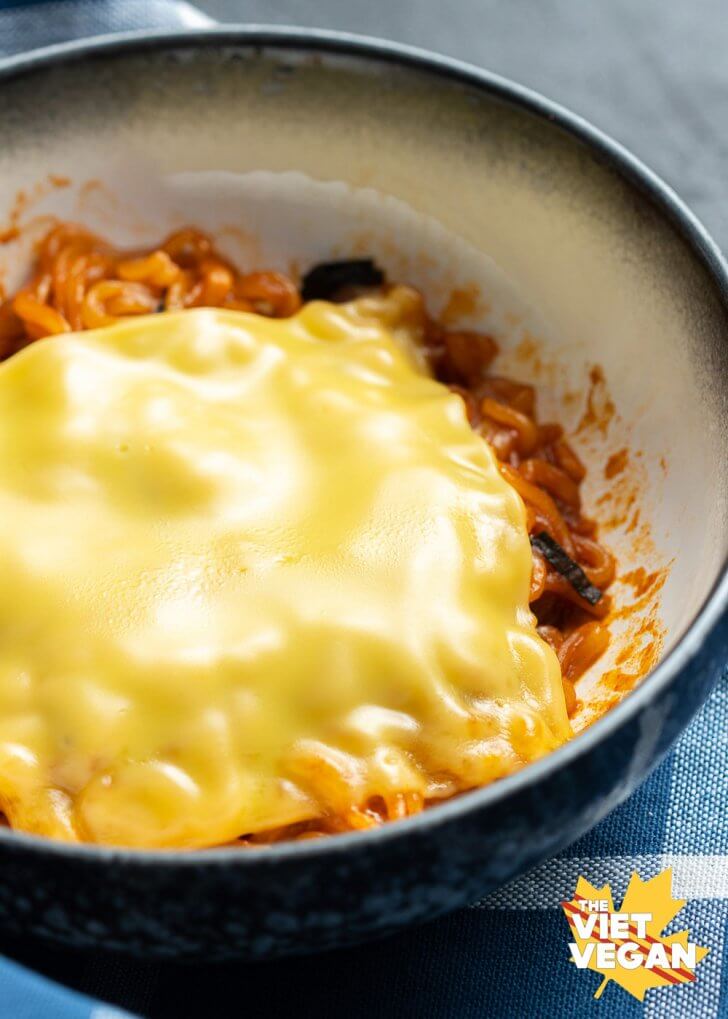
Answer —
565 565
323 281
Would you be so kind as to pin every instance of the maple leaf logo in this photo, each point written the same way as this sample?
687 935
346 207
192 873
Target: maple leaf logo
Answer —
626 945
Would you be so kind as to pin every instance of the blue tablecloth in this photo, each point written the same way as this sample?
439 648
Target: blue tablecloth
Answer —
507 955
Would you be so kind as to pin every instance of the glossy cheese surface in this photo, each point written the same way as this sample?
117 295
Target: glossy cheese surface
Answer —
252 571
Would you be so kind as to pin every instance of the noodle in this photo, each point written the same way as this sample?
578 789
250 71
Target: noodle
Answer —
547 473
81 282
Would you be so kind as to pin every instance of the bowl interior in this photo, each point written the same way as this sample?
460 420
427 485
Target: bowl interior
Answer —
507 221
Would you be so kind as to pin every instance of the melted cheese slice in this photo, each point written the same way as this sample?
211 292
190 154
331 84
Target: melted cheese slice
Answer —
252 572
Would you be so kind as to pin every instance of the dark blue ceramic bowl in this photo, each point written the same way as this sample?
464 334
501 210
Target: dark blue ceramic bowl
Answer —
618 266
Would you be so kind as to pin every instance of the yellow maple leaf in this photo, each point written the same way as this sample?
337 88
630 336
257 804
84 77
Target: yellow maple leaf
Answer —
652 897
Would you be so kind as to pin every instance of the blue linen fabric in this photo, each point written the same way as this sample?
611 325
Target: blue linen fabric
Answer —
505 956
25 995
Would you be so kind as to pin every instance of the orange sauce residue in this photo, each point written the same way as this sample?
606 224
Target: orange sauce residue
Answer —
619 503
527 358
463 302
616 463
24 200
631 666
641 643
529 352
632 525
600 407
640 660
91 187
11 230
638 634
642 581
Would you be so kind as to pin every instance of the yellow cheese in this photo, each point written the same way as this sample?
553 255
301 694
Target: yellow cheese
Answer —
252 572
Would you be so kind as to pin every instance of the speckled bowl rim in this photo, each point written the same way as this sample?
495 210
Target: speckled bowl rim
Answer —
616 157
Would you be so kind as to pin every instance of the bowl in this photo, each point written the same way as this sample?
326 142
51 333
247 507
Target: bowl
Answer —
509 212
